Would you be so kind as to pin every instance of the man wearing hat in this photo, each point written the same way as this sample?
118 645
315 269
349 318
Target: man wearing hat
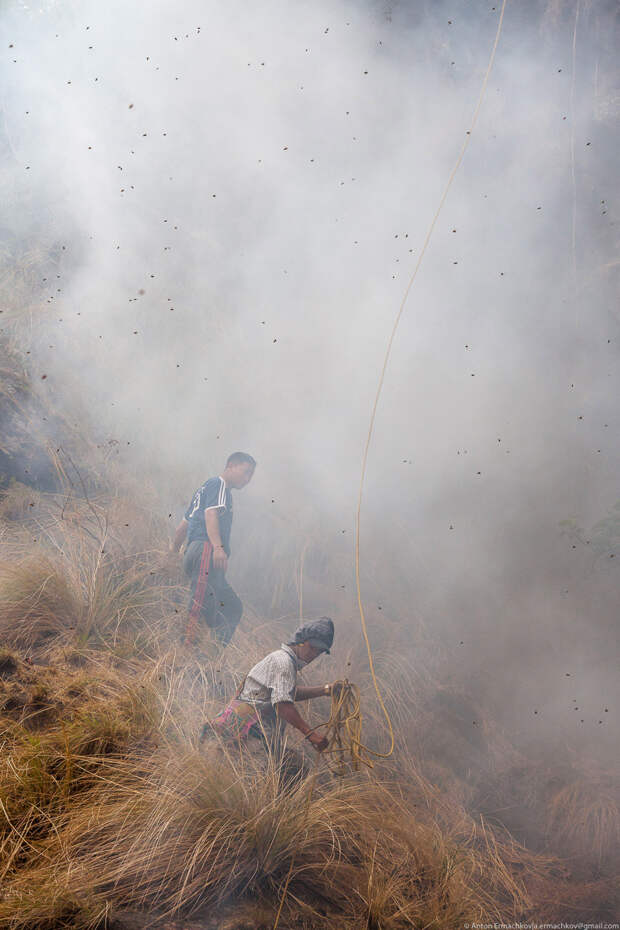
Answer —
268 695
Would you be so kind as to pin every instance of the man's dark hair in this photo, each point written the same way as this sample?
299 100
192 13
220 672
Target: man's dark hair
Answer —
240 458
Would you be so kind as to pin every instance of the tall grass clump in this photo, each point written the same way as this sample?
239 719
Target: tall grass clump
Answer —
72 588
195 834
37 602
583 819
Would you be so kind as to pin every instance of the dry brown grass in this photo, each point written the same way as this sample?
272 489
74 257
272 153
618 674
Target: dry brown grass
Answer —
186 834
81 585
37 601
107 805
583 819
112 807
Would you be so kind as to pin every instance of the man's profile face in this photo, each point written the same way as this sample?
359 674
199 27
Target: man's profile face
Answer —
308 653
241 474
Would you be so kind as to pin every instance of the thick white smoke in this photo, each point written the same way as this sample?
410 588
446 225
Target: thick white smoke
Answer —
241 192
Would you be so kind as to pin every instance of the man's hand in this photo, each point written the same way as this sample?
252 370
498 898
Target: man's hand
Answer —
336 688
169 562
220 559
287 711
318 742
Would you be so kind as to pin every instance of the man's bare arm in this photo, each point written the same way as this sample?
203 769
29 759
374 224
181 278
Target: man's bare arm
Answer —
179 536
313 691
286 710
212 523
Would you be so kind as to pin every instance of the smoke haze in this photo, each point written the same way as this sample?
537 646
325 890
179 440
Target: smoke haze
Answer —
238 194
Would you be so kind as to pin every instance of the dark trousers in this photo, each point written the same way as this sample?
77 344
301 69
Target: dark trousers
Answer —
212 600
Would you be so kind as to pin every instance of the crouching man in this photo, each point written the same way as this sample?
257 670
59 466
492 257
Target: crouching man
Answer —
267 697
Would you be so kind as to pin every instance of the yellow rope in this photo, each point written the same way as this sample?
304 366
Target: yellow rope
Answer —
301 580
386 359
344 731
344 724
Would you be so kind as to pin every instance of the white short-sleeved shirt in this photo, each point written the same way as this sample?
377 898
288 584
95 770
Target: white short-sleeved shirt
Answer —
272 680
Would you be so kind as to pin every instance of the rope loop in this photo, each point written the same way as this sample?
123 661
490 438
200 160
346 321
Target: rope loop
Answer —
343 731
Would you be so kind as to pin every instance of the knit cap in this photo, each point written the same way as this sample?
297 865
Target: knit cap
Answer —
319 633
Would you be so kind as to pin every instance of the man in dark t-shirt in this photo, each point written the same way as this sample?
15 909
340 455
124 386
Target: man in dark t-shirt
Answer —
205 529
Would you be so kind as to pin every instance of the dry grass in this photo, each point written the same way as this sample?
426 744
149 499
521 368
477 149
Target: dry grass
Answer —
37 601
82 585
17 501
22 266
112 807
187 834
583 818
107 806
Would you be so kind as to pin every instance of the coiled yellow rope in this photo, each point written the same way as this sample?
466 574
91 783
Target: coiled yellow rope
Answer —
344 731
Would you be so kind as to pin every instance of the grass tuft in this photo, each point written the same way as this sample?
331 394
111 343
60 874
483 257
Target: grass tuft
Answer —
583 818
37 602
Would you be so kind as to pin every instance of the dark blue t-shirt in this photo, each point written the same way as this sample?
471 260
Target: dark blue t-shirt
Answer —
213 495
